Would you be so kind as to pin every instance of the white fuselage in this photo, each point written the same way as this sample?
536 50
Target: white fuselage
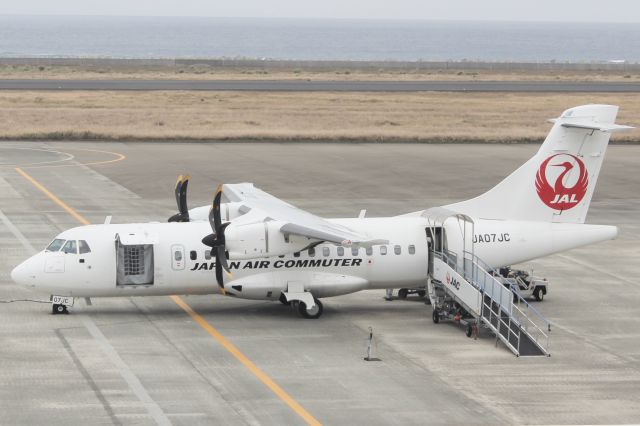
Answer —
181 263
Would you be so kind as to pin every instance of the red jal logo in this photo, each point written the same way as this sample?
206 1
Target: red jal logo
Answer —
559 196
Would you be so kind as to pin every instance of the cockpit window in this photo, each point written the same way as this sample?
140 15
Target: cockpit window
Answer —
70 247
55 245
83 247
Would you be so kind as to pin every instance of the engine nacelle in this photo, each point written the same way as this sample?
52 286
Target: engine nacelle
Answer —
228 211
262 239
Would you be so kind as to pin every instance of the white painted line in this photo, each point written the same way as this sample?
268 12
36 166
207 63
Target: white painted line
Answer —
16 233
134 383
595 268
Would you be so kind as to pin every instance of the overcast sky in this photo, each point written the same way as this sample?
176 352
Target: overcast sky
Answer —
519 10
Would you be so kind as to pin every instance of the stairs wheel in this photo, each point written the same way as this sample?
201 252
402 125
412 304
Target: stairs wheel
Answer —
435 316
538 294
469 330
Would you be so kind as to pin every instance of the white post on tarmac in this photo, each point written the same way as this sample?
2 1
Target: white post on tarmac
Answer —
369 347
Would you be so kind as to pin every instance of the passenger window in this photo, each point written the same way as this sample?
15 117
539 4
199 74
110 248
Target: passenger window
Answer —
383 250
369 251
397 249
177 255
55 245
340 251
207 254
71 247
83 247
325 251
312 252
355 250
412 249
193 255
296 254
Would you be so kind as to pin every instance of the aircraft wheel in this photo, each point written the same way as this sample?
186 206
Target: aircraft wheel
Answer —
58 309
469 330
310 313
422 293
538 294
435 316
402 293
284 300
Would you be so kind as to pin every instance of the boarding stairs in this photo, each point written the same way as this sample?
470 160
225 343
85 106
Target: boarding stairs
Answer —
479 290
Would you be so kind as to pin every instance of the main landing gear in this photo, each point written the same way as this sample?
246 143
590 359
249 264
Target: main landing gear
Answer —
301 307
312 313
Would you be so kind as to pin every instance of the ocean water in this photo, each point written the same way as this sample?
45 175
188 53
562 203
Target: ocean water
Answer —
311 39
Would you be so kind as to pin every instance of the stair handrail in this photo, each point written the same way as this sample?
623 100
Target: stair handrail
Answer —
483 265
497 292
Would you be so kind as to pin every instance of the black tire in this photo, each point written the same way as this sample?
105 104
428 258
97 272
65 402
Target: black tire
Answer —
422 293
284 300
435 316
538 294
58 309
469 330
315 313
402 293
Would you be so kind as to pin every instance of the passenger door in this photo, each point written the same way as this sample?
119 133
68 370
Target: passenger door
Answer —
178 260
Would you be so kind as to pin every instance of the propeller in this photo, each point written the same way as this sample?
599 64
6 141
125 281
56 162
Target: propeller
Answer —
181 200
216 240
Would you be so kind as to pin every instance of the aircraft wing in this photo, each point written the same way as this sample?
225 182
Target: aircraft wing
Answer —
262 206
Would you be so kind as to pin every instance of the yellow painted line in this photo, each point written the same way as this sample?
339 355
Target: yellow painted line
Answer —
261 375
218 337
117 155
53 198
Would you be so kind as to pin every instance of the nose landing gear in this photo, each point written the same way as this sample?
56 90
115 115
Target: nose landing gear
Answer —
60 304
58 309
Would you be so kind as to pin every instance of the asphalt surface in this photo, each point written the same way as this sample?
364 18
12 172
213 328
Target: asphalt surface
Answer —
322 86
145 361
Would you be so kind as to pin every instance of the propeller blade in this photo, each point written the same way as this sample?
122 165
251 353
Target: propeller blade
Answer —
182 199
177 190
217 220
216 240
212 221
219 274
210 240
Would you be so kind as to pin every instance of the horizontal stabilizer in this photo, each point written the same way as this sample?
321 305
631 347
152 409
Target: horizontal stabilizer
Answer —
590 125
557 184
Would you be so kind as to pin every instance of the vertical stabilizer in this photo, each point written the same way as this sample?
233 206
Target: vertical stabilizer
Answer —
557 184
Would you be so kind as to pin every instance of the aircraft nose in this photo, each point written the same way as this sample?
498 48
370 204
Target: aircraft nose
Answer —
23 274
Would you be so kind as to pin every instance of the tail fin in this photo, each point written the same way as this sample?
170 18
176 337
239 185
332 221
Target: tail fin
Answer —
557 184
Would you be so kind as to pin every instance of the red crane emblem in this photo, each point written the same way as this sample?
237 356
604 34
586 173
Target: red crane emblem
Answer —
559 196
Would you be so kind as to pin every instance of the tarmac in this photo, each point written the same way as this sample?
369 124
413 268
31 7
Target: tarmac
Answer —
321 86
146 361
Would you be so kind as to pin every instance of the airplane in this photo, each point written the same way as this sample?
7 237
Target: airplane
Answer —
256 246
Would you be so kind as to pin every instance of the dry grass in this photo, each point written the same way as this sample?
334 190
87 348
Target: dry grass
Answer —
204 72
294 116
